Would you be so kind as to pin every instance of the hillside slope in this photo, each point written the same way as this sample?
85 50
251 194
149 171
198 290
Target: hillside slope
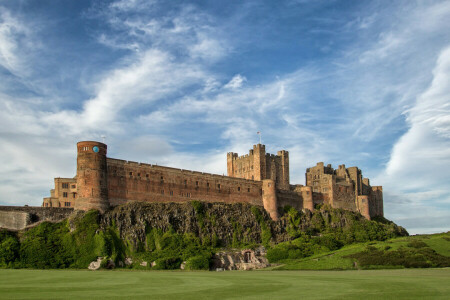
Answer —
422 251
171 233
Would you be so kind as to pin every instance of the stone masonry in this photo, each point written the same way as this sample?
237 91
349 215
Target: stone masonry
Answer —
258 178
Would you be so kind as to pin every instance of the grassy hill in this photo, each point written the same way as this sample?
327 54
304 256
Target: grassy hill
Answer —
413 251
171 233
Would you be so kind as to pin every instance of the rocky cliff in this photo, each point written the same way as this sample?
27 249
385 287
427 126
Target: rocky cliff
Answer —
227 223
240 224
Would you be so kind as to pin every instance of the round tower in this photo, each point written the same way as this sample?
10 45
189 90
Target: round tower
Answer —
270 198
92 184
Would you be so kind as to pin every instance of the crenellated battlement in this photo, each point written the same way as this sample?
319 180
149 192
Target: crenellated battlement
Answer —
258 178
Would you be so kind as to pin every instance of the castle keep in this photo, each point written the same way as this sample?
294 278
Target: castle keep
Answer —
257 178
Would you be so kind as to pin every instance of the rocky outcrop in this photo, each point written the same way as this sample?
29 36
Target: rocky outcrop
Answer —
216 220
247 259
96 264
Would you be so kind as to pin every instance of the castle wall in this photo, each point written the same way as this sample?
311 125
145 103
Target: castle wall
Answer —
376 201
290 198
132 181
18 217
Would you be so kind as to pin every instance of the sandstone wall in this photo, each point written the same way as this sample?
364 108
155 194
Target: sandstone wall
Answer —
18 217
132 181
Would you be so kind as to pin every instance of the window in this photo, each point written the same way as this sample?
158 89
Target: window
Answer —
188 195
253 178
218 186
239 188
74 195
131 173
67 204
65 194
85 149
171 193
196 183
139 174
146 175
65 185
307 192
74 186
248 190
207 184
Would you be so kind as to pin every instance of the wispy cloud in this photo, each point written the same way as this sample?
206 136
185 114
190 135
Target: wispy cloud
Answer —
183 84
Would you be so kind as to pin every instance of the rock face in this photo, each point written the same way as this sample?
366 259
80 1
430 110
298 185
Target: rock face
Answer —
240 260
220 221
217 220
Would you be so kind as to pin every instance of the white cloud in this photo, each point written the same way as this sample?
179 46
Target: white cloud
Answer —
420 160
11 32
236 82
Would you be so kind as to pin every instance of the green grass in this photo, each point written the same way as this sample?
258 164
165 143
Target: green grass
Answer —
336 260
368 284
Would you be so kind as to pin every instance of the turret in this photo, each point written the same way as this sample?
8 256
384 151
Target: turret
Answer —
92 184
270 198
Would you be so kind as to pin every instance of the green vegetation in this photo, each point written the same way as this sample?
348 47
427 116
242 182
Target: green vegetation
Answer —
54 246
366 284
422 251
324 239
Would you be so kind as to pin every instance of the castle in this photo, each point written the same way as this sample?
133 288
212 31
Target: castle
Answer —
257 178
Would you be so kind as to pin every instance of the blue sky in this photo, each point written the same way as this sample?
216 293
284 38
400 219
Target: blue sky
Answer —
363 83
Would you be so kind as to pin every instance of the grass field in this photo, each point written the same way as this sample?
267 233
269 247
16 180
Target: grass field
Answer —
367 284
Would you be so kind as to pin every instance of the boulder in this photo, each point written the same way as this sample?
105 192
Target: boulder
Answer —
96 264
183 265
128 261
110 264
143 263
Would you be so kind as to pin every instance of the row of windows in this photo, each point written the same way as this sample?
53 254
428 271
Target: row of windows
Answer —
67 204
65 185
85 149
65 195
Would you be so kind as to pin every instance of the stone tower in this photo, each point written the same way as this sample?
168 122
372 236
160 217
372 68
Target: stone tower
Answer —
92 184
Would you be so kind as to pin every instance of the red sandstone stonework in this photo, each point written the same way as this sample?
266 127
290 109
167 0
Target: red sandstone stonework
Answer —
258 178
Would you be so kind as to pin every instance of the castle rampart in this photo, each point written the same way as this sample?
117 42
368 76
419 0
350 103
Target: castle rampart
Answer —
257 178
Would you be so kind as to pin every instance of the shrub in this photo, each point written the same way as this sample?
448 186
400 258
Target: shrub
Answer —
417 244
199 262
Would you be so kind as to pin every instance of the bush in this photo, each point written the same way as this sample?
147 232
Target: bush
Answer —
168 263
199 262
417 244
277 254
9 248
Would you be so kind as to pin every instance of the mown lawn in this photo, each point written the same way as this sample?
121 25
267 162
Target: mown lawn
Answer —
362 284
